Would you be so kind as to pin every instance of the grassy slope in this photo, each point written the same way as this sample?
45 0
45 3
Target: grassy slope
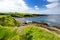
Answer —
35 33
26 33
6 20
8 33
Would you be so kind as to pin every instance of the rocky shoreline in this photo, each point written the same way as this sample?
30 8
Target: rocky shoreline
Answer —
55 29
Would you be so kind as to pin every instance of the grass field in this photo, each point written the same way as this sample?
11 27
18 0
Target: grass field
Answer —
26 33
35 33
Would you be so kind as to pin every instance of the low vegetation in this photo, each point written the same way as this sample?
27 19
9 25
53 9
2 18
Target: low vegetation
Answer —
6 20
26 33
34 33
16 14
8 33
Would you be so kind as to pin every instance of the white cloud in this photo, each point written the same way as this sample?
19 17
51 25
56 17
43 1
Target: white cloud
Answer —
52 0
53 4
13 5
55 10
36 7
22 4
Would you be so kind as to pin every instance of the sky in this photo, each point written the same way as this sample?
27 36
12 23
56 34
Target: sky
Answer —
31 6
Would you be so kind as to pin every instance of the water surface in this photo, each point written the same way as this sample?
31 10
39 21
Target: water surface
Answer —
52 19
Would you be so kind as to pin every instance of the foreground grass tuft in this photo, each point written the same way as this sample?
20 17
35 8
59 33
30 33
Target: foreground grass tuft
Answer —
34 33
26 33
7 33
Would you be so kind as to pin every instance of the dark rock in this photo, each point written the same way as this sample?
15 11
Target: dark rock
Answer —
40 23
58 27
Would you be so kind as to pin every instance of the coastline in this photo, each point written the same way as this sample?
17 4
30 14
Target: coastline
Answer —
55 29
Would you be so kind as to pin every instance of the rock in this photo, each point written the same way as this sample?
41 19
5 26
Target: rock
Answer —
58 27
41 23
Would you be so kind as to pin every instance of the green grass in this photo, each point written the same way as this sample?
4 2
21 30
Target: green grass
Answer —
16 14
34 33
7 33
27 33
6 20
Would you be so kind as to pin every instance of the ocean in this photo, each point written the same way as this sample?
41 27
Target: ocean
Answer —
51 19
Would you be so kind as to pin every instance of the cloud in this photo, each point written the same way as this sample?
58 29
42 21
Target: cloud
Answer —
13 5
36 8
22 4
54 3
55 10
52 0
